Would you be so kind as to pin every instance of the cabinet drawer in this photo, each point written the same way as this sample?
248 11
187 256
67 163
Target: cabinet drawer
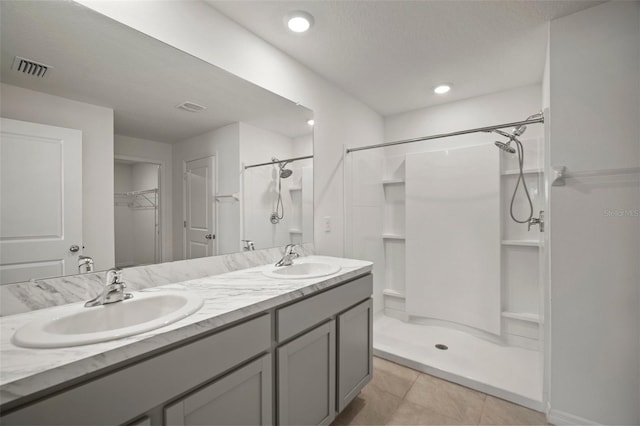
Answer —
124 394
305 314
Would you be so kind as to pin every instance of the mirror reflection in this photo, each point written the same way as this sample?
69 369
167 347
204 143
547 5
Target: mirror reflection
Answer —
118 150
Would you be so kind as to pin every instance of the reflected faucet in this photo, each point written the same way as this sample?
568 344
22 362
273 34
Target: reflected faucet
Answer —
85 262
113 291
248 245
289 255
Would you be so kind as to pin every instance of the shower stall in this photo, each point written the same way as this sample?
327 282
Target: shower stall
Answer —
454 228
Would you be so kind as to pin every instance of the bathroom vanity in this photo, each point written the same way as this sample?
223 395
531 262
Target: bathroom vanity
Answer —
260 351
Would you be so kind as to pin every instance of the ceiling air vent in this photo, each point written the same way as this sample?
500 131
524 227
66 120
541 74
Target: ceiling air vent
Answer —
191 107
29 67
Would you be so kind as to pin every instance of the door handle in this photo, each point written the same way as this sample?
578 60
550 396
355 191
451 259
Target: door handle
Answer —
210 236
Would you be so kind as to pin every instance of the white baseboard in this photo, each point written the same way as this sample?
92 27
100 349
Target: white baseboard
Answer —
560 418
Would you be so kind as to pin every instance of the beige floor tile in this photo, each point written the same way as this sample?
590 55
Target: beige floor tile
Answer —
500 412
409 413
448 399
371 407
392 378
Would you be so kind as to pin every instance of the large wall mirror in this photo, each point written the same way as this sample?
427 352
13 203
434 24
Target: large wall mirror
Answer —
119 150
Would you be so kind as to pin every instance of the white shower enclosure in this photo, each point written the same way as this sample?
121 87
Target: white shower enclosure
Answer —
450 266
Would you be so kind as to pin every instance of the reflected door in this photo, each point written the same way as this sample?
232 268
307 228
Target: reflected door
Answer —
199 209
40 199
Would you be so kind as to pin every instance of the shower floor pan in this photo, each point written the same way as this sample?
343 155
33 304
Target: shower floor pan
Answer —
507 372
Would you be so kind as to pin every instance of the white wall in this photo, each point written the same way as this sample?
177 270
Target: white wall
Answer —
96 124
224 144
130 148
200 30
594 223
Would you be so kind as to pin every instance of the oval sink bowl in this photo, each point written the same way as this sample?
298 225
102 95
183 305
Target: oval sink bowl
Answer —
78 325
302 270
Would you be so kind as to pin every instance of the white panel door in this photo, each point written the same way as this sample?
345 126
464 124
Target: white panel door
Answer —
41 200
453 236
200 209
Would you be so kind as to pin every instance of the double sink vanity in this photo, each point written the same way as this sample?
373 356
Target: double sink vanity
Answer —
262 345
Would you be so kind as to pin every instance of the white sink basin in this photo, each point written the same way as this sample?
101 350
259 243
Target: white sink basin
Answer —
78 325
302 270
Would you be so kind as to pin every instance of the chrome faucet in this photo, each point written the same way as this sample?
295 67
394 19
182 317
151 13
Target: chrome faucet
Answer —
289 255
85 262
113 291
248 245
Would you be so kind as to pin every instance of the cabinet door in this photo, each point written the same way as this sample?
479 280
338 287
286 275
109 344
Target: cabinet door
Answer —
355 352
240 398
306 378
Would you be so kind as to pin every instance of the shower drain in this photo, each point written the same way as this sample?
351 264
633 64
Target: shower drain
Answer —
442 347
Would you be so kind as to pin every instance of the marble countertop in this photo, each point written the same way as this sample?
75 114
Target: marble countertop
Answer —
228 298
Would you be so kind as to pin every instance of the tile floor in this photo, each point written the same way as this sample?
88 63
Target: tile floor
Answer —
398 395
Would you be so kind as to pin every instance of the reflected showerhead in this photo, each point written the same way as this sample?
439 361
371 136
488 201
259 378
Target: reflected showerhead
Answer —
285 173
506 147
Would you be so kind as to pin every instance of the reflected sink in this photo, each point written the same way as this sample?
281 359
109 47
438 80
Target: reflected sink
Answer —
302 270
78 325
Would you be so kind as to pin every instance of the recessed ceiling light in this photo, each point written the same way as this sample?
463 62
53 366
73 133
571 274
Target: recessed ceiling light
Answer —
310 122
299 21
441 89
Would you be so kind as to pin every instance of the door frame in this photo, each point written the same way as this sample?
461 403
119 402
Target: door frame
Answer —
161 197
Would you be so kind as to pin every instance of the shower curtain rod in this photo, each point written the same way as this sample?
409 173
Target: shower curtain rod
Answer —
286 160
444 135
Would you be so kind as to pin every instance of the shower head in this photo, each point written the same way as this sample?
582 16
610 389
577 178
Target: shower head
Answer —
506 147
518 131
285 173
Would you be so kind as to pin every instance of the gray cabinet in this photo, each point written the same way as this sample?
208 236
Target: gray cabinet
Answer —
355 351
306 378
322 345
243 397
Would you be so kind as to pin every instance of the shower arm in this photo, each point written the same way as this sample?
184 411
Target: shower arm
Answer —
537 118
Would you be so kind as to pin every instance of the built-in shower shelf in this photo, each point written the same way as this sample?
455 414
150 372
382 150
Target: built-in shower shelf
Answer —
528 243
522 316
392 237
393 182
525 171
295 231
392 293
295 188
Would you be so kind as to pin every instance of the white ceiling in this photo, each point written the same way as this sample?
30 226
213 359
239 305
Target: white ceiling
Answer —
99 61
390 54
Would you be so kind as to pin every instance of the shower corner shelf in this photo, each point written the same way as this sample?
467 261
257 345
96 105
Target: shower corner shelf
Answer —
393 182
392 237
522 316
295 188
393 293
525 171
526 243
295 231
